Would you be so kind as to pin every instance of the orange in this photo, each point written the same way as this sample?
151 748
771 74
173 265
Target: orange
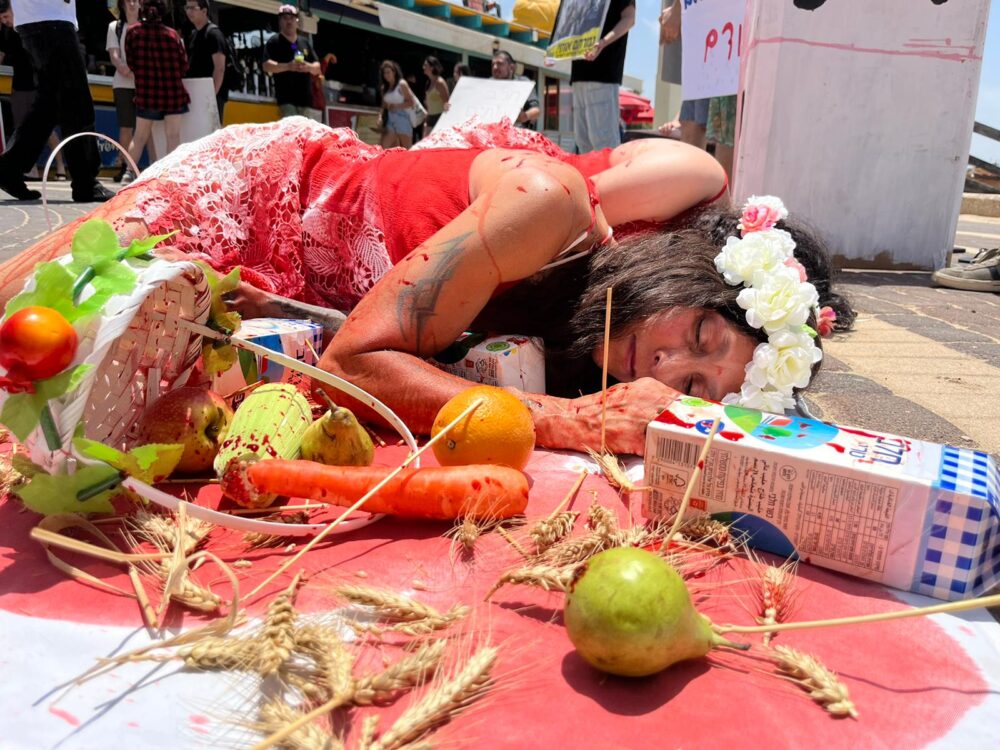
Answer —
500 430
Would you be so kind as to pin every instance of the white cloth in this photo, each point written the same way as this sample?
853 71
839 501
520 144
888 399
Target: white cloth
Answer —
596 115
119 81
33 11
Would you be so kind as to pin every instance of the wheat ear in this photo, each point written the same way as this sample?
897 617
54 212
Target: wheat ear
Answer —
547 577
550 530
442 702
277 639
821 683
408 672
276 713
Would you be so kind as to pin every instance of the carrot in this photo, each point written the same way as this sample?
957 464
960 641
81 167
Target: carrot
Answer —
445 492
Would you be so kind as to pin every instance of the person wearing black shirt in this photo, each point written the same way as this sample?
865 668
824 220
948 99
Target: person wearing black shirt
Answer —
596 80
207 51
290 59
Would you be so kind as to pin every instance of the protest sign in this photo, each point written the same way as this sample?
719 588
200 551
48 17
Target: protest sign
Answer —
578 27
488 99
712 31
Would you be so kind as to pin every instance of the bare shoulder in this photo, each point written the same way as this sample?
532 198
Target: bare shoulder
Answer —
493 165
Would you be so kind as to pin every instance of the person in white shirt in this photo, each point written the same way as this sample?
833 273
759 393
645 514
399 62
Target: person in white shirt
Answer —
48 32
123 83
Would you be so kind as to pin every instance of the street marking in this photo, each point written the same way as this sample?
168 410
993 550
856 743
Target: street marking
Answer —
959 388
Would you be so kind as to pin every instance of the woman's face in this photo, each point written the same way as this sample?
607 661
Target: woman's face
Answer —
428 70
694 351
388 75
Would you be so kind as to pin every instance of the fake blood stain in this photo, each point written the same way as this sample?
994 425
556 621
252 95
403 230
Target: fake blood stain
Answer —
65 716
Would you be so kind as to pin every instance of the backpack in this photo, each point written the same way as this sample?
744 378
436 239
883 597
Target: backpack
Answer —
235 77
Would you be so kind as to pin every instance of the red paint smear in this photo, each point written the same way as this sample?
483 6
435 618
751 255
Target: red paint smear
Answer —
838 448
668 417
952 57
65 716
734 436
701 464
199 719
860 433
133 725
894 670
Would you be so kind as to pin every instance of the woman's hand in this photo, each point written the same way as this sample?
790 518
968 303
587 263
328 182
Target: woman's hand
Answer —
251 302
629 409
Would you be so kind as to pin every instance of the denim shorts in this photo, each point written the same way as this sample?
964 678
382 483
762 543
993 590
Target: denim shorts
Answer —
399 122
158 114
694 110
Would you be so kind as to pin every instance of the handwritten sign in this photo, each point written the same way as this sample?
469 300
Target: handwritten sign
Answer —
577 28
486 98
714 40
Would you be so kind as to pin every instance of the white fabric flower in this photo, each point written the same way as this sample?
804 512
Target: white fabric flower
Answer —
777 299
768 399
764 251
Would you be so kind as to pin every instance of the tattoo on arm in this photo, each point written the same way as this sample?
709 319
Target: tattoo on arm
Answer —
417 302
282 307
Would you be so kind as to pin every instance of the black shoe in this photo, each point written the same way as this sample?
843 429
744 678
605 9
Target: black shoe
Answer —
121 172
17 189
98 195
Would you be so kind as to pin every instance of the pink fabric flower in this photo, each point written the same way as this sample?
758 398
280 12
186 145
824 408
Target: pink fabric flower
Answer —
760 213
792 263
825 321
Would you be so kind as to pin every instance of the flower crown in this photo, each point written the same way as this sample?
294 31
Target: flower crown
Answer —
777 298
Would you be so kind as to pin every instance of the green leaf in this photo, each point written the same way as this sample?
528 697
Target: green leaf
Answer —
154 462
248 365
217 360
61 384
94 244
99 452
228 283
53 288
116 278
20 415
810 330
25 466
49 494
141 247
21 411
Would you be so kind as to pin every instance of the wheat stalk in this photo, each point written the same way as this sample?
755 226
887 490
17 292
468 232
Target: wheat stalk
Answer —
547 577
220 652
506 536
408 672
467 534
614 471
334 661
602 521
821 683
442 702
574 551
275 714
277 639
161 530
550 530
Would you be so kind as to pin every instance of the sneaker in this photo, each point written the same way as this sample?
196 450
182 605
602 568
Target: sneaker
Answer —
17 189
128 177
983 255
99 194
981 275
121 172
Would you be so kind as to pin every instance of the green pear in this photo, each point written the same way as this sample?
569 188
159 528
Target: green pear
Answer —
629 613
337 439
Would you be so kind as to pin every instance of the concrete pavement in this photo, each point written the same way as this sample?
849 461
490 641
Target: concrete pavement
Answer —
923 362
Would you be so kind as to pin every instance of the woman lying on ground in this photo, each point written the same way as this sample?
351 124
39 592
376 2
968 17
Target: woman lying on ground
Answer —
506 233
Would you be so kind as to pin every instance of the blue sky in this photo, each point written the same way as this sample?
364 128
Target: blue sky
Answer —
643 50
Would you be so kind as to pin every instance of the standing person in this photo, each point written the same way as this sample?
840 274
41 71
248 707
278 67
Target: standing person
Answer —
48 32
437 92
504 68
397 98
22 86
721 130
207 51
291 61
596 80
158 60
123 83
460 69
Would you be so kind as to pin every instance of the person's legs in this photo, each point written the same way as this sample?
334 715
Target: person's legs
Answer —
580 132
603 116
62 79
693 118
312 114
172 126
53 144
288 110
143 129
220 102
721 130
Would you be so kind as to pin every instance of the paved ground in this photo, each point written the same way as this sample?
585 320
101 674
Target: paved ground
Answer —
923 362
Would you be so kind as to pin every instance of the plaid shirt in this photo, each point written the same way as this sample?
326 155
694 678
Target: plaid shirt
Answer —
156 55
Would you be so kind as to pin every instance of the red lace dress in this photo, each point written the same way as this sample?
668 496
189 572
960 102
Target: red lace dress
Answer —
311 212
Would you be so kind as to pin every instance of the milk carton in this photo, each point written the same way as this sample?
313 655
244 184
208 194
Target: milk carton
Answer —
503 361
300 339
909 514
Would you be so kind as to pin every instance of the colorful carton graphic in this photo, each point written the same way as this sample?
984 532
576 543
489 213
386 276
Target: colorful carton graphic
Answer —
913 515
503 361
301 339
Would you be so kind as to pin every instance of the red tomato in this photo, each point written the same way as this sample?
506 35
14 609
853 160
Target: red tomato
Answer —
36 343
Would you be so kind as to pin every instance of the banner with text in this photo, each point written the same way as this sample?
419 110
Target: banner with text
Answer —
712 31
578 27
487 98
